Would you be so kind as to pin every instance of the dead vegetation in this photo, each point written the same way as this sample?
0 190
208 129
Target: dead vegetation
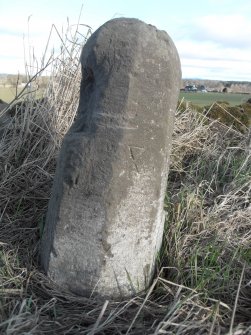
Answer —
203 279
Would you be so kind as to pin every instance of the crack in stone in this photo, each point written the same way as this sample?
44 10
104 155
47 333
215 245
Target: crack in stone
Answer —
133 159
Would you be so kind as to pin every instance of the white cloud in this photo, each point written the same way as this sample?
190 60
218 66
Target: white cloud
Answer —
209 69
215 45
209 46
29 47
19 50
212 61
212 51
11 45
229 30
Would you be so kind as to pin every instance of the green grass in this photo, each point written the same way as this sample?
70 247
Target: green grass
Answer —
203 99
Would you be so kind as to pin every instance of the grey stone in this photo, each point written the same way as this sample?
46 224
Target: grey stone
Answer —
105 218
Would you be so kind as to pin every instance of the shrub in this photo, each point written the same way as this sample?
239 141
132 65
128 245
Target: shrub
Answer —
236 117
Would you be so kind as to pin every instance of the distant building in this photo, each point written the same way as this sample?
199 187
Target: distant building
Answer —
201 88
194 88
191 88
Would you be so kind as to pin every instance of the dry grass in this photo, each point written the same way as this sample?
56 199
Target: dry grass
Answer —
203 281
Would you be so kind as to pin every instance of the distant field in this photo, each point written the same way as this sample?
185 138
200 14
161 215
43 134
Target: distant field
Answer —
203 99
198 98
7 94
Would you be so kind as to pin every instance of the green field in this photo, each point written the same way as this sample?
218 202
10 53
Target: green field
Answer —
7 94
204 99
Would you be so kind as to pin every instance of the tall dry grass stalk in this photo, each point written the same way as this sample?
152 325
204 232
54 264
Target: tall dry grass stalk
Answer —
202 283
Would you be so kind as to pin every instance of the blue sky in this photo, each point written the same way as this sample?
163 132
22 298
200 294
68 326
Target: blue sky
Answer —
213 37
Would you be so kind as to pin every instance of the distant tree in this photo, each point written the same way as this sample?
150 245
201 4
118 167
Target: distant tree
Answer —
43 82
228 83
224 90
13 79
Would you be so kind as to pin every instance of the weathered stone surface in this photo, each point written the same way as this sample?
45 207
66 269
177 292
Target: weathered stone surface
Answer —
105 219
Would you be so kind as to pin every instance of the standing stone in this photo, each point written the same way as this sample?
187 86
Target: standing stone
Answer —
105 218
